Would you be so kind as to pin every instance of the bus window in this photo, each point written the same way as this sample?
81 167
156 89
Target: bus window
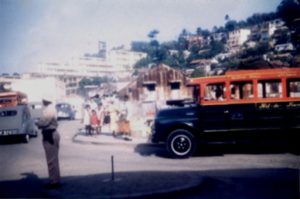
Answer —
8 113
294 88
241 90
215 92
8 99
269 89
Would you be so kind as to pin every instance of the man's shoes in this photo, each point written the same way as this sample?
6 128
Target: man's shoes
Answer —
52 185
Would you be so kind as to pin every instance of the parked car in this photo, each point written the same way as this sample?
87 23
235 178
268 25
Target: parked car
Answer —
65 111
17 122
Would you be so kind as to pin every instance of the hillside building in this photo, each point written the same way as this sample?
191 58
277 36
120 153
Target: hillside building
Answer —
236 39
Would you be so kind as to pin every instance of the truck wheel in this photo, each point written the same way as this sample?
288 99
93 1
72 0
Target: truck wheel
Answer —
181 144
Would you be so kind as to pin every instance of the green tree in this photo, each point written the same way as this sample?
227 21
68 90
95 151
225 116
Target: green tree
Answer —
198 72
259 18
140 46
144 62
289 10
152 34
259 50
210 51
227 18
205 33
231 25
199 31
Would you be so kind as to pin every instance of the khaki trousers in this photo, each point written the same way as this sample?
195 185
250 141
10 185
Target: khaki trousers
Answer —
51 151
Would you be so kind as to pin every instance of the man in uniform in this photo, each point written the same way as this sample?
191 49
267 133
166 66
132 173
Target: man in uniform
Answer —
48 124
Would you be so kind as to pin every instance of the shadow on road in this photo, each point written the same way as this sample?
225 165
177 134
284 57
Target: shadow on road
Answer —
31 186
151 149
221 149
234 183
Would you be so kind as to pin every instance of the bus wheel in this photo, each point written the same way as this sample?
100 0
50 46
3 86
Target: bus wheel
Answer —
181 144
26 138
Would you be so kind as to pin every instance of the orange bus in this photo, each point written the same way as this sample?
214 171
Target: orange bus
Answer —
233 106
13 98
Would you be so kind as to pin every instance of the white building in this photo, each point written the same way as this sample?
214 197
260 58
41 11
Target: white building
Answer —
37 88
124 59
73 71
78 67
117 63
237 38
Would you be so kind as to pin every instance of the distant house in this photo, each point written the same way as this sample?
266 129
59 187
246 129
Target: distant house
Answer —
236 39
197 40
284 47
160 83
204 64
268 29
264 32
153 88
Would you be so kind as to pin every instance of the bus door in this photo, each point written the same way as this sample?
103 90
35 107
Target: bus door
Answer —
241 115
293 108
213 114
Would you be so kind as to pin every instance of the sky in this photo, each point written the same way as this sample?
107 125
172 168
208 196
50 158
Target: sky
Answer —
35 31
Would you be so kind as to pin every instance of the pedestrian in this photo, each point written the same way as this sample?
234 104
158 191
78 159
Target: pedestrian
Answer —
94 121
114 117
48 124
100 114
87 119
124 123
106 118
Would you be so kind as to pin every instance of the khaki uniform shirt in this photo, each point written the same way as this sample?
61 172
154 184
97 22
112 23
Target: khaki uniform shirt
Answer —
49 118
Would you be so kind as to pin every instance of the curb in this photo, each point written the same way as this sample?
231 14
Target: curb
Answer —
76 139
189 186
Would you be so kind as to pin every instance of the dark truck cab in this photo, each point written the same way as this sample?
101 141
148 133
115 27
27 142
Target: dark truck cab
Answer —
247 104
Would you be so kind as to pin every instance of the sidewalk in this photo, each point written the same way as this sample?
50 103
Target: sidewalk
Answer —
107 139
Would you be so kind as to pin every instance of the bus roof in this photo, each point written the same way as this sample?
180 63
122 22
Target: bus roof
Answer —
12 98
251 74
11 93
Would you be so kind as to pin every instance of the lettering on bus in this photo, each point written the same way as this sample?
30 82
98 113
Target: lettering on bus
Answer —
272 106
293 105
267 106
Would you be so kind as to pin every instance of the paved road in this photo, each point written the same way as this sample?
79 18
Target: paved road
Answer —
216 172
